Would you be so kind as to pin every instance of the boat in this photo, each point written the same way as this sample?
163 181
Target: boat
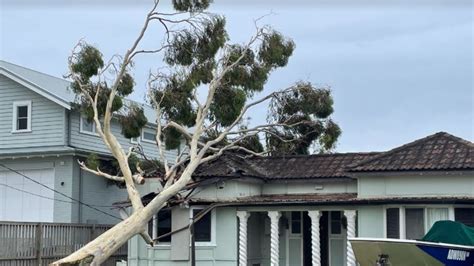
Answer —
447 243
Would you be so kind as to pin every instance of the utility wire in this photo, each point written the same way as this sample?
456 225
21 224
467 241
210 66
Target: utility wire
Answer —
58 192
49 198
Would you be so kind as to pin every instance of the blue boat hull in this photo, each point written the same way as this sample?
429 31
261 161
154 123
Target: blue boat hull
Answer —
370 251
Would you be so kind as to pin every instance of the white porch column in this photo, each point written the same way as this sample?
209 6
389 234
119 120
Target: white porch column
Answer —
243 217
315 238
274 238
350 216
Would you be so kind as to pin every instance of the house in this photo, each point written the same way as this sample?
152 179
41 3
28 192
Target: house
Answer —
300 210
41 139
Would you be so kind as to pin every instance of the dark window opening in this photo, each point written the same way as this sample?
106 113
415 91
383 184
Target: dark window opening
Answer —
202 228
393 223
296 222
22 118
164 225
336 223
464 215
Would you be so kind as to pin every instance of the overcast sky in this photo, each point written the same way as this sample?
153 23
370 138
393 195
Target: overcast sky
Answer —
399 71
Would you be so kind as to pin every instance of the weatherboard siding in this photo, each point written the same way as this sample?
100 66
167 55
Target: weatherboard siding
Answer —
47 122
95 143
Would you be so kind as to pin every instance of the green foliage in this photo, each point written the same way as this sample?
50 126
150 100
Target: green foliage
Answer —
88 62
252 143
191 5
227 104
275 50
125 86
306 108
133 122
92 161
196 47
172 138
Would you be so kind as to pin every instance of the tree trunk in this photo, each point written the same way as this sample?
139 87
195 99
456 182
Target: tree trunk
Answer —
104 246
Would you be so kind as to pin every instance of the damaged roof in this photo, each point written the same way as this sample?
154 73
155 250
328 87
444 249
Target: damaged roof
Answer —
282 167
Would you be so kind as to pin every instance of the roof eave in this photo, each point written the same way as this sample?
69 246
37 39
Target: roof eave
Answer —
34 87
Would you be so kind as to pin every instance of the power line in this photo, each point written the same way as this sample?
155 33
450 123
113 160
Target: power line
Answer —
58 192
49 198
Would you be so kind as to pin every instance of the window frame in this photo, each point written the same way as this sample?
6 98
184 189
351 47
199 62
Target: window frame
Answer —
291 223
17 104
142 138
154 233
81 128
213 225
401 208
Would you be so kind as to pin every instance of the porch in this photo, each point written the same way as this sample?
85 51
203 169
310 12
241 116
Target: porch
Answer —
294 237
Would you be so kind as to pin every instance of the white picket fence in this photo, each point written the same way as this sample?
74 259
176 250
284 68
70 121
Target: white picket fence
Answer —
28 244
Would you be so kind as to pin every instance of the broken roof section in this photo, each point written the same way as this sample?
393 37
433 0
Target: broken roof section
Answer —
282 167
440 151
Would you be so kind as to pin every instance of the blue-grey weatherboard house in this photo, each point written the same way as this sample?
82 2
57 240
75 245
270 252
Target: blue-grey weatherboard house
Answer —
300 210
42 137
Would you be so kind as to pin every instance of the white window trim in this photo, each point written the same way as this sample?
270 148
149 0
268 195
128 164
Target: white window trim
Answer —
143 133
135 142
82 131
155 234
401 208
213 226
15 116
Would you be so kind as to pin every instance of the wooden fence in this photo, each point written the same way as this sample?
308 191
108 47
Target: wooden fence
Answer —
28 244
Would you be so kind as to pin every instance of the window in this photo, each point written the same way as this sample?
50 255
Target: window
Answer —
87 127
414 223
336 223
464 215
21 116
435 214
148 135
296 222
393 223
203 227
160 225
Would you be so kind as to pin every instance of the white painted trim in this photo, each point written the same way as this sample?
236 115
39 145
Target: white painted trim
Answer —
82 131
17 104
213 227
143 133
34 87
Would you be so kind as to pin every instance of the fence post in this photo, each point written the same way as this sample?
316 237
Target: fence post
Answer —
39 238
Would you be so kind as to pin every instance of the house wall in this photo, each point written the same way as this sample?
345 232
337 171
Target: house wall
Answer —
47 123
228 190
349 186
96 191
222 253
63 180
421 185
95 143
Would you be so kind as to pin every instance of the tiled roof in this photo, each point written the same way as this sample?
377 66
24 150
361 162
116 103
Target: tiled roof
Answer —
282 167
328 198
440 151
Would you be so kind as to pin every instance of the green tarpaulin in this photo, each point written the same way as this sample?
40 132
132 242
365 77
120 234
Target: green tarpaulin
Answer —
450 232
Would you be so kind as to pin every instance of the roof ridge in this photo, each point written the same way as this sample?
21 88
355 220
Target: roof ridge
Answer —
33 70
407 145
317 155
